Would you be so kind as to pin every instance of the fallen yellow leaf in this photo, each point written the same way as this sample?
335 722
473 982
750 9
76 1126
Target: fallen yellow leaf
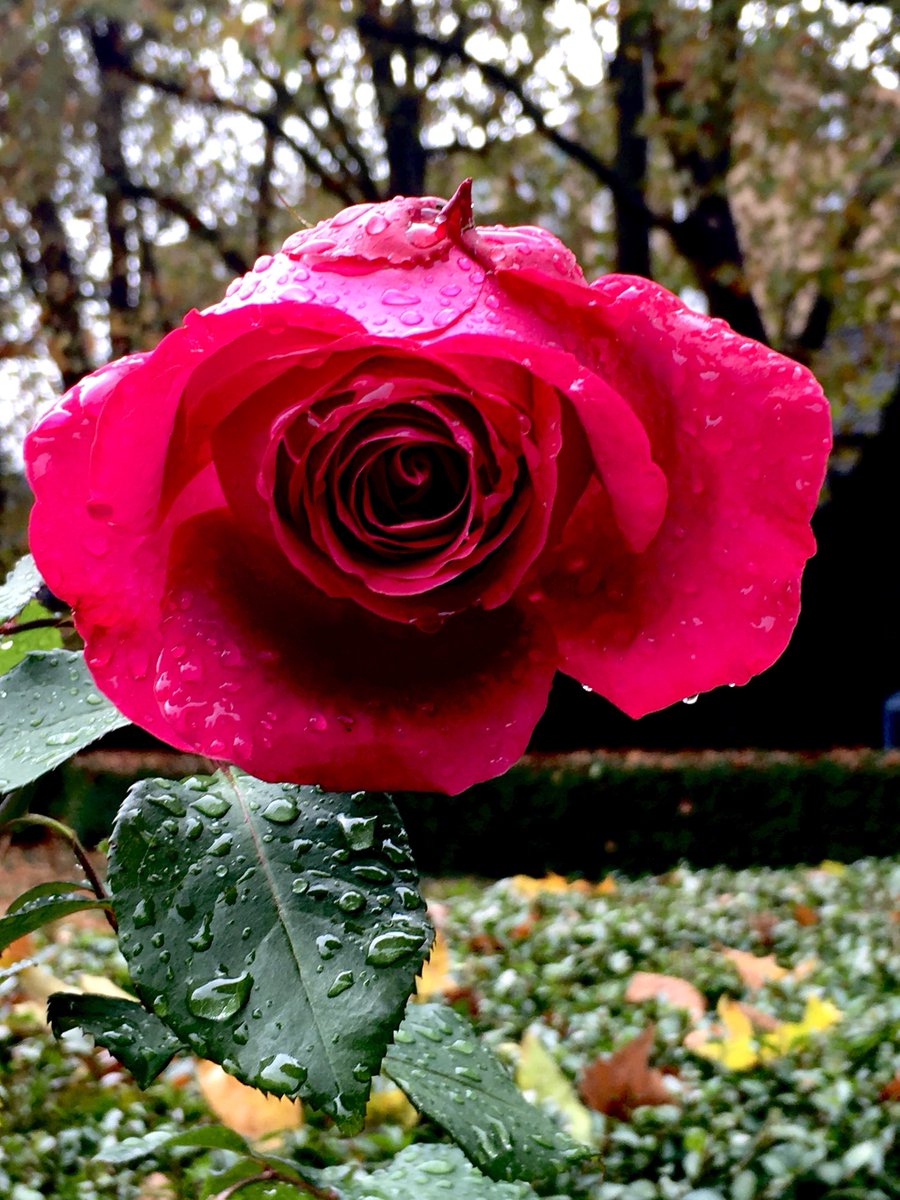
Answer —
247 1111
538 1073
747 1037
530 886
435 978
389 1103
830 867
99 985
737 1048
818 1016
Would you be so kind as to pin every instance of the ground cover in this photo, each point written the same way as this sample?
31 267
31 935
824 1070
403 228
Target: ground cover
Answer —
712 1034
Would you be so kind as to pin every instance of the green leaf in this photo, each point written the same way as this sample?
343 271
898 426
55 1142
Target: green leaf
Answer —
136 1037
49 710
271 1189
14 646
439 1062
424 1172
51 888
211 1137
39 911
21 585
133 1149
276 929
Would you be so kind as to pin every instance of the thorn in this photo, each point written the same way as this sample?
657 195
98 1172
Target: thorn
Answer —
457 216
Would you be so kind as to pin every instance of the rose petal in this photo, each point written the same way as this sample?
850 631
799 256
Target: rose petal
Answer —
743 435
107 575
346 696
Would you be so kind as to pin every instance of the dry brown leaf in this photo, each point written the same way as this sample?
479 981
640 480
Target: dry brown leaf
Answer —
804 915
22 947
891 1090
763 925
754 969
524 928
758 969
247 1111
648 985
624 1081
156 1187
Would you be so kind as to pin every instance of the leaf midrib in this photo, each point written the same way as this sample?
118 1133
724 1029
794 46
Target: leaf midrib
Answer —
281 913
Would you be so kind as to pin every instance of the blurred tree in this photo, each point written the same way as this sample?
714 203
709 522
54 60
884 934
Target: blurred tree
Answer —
745 149
744 154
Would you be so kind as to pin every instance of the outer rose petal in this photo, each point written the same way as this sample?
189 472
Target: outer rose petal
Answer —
118 606
743 435
347 698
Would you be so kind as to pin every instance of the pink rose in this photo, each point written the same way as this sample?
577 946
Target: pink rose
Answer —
345 525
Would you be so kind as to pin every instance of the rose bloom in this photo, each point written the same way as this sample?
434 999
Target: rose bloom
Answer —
344 526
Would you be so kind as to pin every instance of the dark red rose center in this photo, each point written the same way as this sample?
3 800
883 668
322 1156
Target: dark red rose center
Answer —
422 487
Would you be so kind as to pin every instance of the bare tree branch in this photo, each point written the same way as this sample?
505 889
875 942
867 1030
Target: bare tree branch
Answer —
174 87
169 203
708 236
454 47
344 137
53 279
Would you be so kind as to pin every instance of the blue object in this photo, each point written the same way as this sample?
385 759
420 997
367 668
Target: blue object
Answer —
891 722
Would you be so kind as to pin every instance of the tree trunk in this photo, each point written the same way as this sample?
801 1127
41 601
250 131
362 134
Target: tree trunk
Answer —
400 104
627 73
106 40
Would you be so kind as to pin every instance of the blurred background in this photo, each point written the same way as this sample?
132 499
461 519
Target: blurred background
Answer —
743 154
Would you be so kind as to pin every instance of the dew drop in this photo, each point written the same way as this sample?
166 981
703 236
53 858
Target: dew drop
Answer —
388 947
203 938
342 982
328 945
144 914
282 1073
371 873
171 804
220 998
281 810
359 832
222 845
211 805
351 902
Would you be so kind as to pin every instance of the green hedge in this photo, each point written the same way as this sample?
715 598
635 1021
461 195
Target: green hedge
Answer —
586 813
